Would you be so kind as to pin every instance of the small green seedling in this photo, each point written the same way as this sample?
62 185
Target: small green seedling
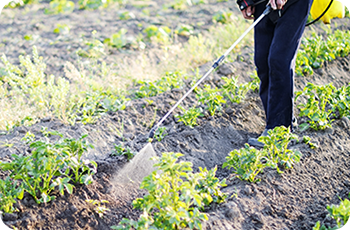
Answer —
97 207
7 144
93 48
223 17
149 102
118 40
184 30
307 140
121 151
61 29
211 98
160 133
28 37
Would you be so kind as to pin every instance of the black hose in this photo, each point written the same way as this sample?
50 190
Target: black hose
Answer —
325 11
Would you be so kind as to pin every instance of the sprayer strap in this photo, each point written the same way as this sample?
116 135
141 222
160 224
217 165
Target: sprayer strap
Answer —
325 11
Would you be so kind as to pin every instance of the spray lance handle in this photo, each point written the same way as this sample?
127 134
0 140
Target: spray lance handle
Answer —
267 10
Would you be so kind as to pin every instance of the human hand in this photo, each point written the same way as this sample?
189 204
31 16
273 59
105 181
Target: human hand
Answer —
277 4
248 13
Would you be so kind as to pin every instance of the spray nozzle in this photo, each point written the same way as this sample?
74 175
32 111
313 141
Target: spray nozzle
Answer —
152 132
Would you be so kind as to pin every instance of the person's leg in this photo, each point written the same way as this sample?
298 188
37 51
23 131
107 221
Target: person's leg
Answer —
276 46
263 35
287 34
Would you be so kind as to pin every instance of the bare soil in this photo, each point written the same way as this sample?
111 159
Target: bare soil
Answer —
296 199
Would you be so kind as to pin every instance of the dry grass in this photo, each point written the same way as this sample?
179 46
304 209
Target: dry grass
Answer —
27 94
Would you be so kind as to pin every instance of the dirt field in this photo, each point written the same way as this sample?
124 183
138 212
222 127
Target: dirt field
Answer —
296 199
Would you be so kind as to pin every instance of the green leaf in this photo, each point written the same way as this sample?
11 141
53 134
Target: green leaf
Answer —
69 188
303 127
86 179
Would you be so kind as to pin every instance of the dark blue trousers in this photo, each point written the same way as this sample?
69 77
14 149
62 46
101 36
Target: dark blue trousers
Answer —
276 45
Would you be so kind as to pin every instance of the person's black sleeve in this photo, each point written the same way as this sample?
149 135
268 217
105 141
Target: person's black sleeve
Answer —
242 4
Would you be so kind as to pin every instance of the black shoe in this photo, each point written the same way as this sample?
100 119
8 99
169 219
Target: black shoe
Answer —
294 124
254 141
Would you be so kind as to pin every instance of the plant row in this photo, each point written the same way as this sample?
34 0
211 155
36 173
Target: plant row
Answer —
175 196
213 99
317 49
85 95
66 6
48 166
322 104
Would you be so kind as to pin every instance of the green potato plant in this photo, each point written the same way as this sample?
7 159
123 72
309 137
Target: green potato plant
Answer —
171 80
114 103
340 213
234 92
315 50
158 34
276 147
80 169
99 209
92 4
9 192
318 97
189 116
212 98
60 6
175 196
14 4
50 165
341 101
160 133
184 30
94 48
248 162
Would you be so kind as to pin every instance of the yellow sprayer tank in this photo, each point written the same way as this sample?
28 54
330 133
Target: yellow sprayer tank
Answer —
337 9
